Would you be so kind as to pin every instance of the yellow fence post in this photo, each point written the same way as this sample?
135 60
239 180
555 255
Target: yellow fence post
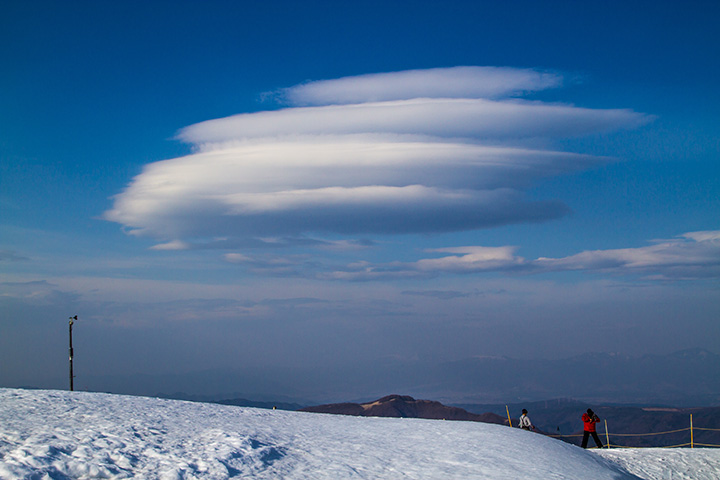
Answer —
607 435
508 412
692 440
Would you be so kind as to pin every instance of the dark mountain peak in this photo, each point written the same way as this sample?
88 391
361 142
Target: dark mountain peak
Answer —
394 397
405 406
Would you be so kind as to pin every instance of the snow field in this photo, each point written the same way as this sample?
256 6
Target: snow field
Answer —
668 463
80 435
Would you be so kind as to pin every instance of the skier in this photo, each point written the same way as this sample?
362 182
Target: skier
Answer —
589 420
525 422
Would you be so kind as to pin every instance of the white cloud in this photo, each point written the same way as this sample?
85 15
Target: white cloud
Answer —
437 117
174 245
691 256
237 258
272 265
403 152
705 236
471 259
456 82
354 161
356 210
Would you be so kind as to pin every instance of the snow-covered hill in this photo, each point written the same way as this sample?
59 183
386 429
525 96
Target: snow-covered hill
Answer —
68 435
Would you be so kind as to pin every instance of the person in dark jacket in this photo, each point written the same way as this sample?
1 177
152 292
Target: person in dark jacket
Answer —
589 420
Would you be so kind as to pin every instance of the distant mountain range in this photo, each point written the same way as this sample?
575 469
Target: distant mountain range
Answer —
687 378
404 406
243 402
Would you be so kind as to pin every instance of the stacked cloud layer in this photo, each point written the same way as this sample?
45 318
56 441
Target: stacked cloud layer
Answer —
406 152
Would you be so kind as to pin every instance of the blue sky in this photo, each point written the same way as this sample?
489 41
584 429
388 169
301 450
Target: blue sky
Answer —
305 184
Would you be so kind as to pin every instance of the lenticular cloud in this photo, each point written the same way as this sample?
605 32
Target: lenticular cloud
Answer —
404 152
458 82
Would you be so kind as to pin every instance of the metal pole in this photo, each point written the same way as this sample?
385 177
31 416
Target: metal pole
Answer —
72 320
607 435
692 440
508 413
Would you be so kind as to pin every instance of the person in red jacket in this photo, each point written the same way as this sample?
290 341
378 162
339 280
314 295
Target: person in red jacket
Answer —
589 420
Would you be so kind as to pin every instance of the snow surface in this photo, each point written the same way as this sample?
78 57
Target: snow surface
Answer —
666 464
48 434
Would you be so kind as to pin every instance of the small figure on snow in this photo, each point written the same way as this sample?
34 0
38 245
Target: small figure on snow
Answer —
589 420
525 422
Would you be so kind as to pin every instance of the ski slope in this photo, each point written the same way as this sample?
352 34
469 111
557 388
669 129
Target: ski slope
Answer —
77 435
